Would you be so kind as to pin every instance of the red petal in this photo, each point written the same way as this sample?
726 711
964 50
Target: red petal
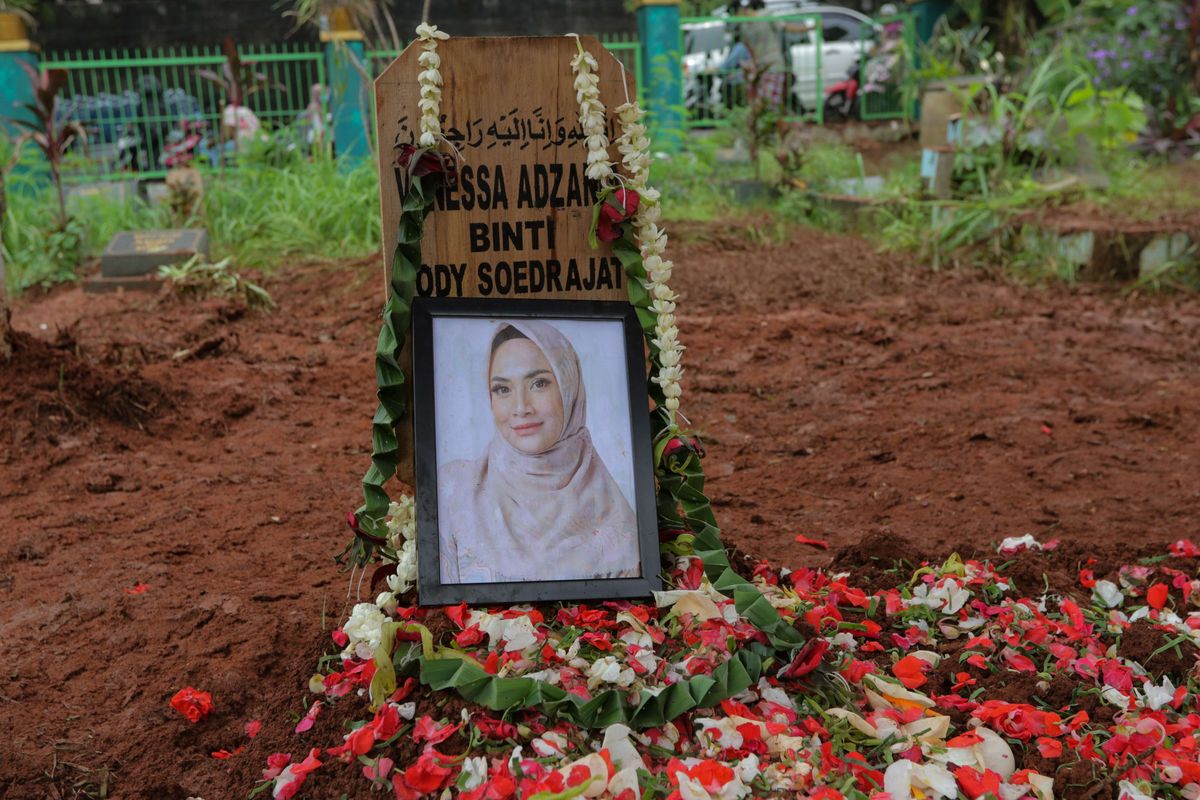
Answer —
911 671
802 539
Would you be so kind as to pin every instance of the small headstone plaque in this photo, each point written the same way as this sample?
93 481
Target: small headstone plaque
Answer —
110 191
143 252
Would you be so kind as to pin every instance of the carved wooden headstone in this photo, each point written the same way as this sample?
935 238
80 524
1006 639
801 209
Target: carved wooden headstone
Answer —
516 225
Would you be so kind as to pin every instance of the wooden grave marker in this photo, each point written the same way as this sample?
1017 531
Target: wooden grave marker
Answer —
516 226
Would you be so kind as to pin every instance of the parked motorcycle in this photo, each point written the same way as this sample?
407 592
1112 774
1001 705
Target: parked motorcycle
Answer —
185 143
841 98
844 98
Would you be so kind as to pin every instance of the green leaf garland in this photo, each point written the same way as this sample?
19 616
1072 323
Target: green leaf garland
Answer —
389 376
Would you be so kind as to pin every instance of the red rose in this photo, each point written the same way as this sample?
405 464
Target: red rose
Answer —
622 205
673 446
807 659
193 704
606 230
428 163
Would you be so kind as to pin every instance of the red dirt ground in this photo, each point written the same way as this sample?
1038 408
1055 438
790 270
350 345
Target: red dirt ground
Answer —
212 453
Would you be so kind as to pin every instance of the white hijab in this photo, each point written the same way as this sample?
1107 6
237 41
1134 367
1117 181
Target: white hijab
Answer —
555 515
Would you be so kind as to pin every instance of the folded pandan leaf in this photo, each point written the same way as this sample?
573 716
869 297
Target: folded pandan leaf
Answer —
608 707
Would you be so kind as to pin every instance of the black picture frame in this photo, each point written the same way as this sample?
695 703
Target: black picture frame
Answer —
430 589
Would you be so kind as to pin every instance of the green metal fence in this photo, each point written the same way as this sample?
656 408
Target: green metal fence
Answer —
136 103
887 70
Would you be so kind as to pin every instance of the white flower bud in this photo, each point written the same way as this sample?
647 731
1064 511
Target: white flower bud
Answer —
429 32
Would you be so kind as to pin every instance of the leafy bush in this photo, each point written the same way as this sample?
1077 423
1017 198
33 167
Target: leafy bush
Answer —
1140 45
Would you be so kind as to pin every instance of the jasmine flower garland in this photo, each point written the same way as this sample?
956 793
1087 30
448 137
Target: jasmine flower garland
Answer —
430 80
634 147
402 537
591 115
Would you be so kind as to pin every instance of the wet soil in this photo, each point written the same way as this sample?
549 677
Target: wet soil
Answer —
843 395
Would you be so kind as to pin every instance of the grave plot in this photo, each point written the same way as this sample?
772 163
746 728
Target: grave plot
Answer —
485 659
683 674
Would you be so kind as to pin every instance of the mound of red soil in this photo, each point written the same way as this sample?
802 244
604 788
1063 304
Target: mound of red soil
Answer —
49 387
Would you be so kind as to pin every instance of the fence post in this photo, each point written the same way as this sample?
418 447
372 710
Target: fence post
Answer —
15 88
662 68
349 83
927 13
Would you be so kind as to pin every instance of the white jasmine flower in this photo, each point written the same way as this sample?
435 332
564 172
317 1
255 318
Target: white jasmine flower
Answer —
474 773
426 32
386 602
1133 791
591 116
906 780
947 596
550 743
406 568
608 670
430 82
1015 544
1108 594
1155 696
719 734
518 633
365 626
623 752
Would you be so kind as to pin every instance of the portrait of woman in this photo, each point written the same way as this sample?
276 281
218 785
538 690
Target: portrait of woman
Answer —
538 502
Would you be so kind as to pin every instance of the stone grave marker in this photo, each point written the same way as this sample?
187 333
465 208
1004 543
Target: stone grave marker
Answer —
132 257
516 225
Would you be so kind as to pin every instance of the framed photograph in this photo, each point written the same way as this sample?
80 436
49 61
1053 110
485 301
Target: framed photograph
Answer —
534 478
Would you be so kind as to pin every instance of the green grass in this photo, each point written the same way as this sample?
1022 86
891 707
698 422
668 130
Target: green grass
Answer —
1144 189
263 216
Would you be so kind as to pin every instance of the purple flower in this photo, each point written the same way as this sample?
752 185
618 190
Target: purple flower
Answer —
1131 12
1125 65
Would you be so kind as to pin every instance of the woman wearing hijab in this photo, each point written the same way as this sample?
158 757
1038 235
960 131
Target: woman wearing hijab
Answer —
539 504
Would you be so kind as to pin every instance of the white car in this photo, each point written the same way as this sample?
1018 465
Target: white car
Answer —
847 34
